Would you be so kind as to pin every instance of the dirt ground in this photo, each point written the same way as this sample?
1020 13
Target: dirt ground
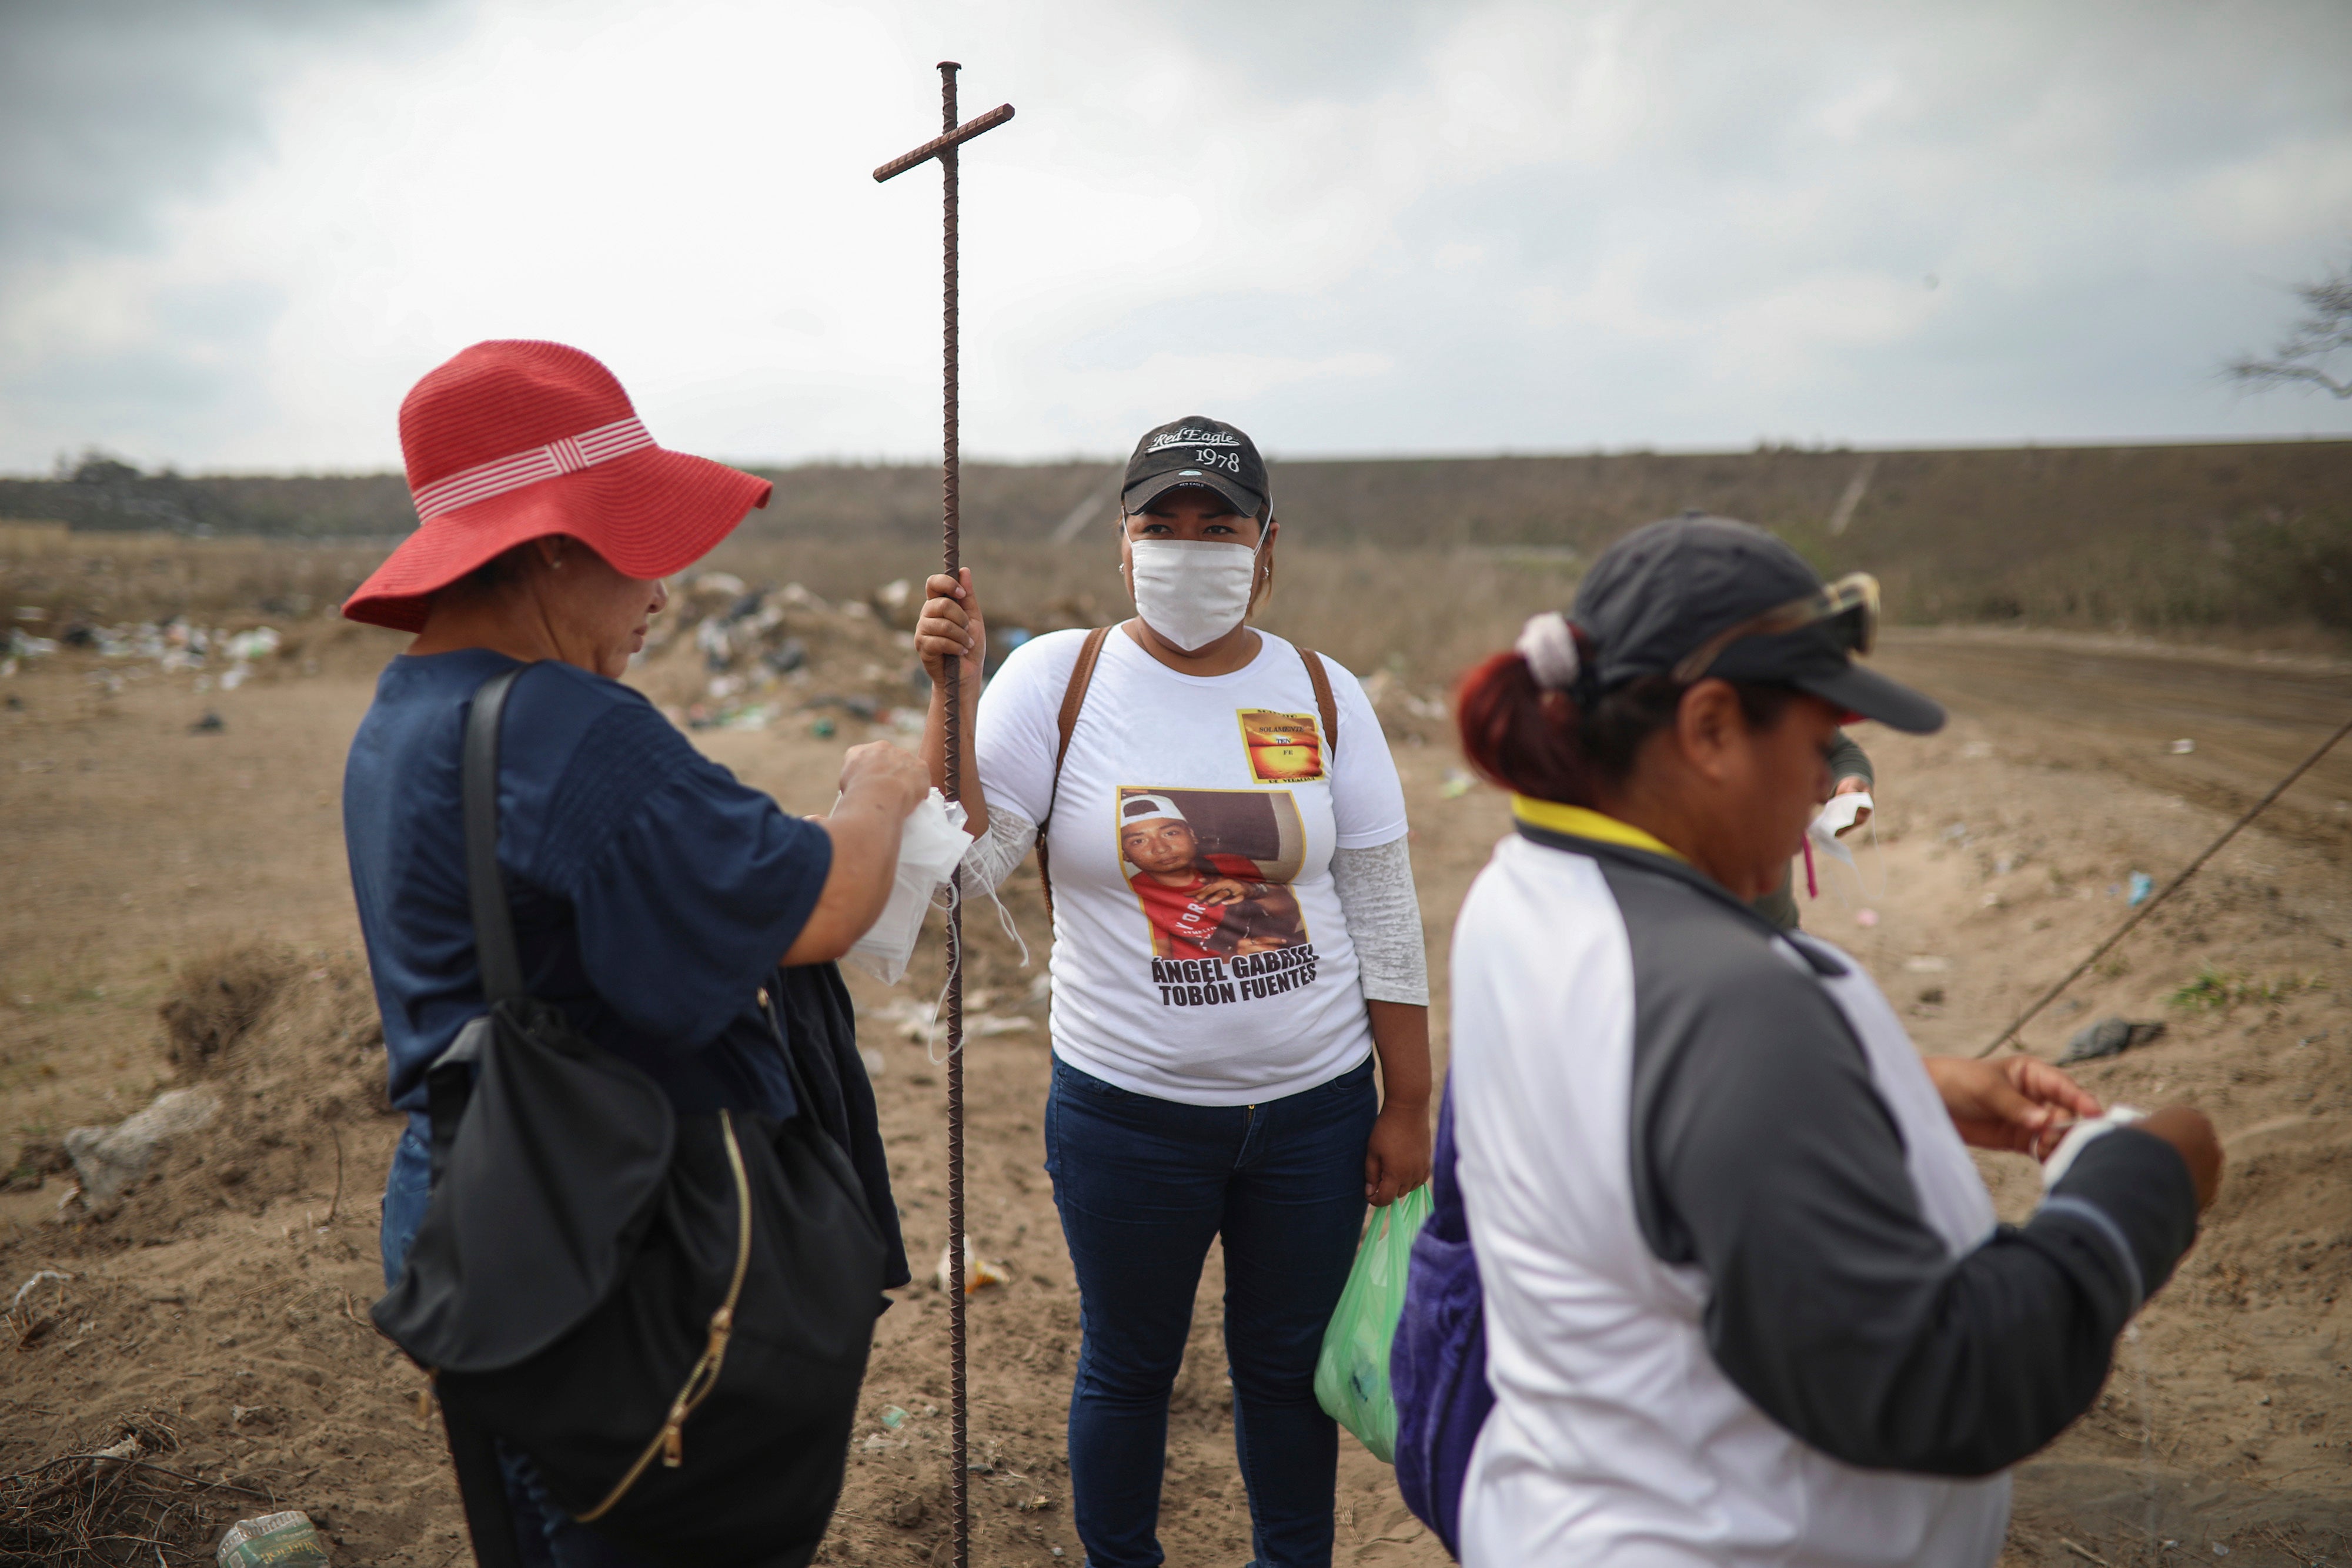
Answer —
218 1315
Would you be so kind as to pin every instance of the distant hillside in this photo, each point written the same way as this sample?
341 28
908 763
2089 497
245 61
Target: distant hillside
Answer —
2252 534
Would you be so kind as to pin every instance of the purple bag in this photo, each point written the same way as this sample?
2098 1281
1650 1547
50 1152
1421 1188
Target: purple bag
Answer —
1437 1366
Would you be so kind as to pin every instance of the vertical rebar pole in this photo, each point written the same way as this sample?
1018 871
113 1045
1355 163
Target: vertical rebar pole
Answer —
959 1424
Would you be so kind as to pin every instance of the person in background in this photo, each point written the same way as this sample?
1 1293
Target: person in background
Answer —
1208 1092
653 894
1850 774
1745 1301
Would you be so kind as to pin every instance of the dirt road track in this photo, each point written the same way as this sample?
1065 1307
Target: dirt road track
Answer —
2122 703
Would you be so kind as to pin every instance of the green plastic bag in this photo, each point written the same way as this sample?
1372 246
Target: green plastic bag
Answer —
1352 1377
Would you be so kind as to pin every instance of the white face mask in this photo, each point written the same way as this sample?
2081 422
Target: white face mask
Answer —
1193 591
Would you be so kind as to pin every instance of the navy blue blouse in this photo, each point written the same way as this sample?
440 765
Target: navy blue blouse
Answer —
652 893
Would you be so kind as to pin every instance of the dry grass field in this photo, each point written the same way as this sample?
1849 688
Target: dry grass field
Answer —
180 918
2216 541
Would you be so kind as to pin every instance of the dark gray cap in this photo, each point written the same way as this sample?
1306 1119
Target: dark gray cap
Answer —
1196 450
1659 593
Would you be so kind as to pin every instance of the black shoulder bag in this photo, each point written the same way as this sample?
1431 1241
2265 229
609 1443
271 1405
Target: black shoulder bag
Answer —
668 1314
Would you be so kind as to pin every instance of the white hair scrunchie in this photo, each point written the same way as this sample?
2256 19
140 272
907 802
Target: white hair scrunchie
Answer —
1548 645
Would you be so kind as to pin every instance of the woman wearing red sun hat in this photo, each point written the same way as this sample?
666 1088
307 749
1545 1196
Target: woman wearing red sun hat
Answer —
653 898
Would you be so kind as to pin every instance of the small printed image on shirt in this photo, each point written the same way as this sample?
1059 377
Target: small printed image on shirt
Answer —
1284 748
1211 869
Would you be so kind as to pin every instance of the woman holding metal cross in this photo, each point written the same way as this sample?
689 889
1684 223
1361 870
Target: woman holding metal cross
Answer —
1235 939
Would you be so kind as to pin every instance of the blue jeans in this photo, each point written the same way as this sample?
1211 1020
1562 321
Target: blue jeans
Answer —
544 1534
1144 1185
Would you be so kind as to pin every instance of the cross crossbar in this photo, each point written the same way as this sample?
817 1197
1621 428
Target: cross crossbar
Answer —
939 144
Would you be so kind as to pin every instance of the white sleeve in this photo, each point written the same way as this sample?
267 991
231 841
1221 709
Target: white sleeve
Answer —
1019 727
995 853
1367 799
1383 916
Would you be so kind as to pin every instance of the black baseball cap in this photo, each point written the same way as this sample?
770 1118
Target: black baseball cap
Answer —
1666 594
1196 450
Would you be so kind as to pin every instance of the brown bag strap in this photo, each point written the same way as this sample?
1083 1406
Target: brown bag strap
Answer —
1325 704
1074 699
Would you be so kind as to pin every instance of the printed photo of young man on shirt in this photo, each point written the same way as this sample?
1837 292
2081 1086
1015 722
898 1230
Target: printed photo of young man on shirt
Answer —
1202 904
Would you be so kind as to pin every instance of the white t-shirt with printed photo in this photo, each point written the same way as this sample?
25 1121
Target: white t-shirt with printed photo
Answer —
1199 951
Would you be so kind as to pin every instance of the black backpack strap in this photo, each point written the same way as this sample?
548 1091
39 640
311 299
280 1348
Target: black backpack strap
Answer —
473 1453
449 1081
494 937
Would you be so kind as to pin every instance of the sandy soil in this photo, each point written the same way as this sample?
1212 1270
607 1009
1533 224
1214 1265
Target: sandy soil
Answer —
219 1313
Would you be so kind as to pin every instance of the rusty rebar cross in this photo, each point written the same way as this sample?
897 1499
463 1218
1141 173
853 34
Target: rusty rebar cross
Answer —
943 148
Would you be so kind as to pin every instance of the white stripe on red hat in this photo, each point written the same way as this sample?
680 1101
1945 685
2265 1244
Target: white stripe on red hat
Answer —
569 455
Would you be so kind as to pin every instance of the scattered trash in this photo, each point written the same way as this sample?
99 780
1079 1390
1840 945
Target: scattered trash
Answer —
2108 1037
2142 886
718 585
28 1288
980 1026
979 1272
1866 918
875 1062
907 1018
109 1159
2181 747
234 676
1933 997
257 643
893 1418
1456 785
742 645
1927 964
285 1539
1977 750
895 603
211 724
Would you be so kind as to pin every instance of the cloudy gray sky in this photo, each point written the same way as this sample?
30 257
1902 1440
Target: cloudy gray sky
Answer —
233 233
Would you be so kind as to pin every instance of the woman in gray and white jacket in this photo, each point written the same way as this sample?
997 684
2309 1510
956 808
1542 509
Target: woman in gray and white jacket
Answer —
1746 1301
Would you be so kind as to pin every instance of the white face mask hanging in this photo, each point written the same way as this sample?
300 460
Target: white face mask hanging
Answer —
1193 591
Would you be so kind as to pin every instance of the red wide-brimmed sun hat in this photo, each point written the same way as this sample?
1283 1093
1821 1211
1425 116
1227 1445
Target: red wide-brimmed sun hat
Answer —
513 440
